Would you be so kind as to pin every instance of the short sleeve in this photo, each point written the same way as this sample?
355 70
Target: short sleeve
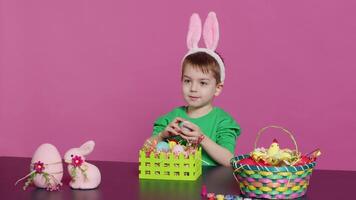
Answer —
227 133
160 124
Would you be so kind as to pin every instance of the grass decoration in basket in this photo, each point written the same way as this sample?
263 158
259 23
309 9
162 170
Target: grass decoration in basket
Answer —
274 173
172 160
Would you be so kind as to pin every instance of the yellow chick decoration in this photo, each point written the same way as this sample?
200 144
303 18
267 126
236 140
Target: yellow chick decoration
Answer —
274 155
273 149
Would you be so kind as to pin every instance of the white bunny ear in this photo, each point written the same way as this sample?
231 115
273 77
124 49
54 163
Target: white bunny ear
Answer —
87 147
211 31
194 32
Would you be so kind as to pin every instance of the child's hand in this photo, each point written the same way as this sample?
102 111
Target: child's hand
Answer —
191 132
172 128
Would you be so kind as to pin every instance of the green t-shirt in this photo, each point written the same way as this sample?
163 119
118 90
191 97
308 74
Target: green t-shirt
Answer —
218 125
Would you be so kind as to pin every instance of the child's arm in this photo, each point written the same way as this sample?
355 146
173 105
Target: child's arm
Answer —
220 154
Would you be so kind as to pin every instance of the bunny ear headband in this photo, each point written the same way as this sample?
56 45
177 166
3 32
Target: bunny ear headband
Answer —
211 38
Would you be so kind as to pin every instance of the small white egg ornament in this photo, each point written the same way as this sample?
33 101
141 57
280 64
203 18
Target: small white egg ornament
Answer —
46 168
177 149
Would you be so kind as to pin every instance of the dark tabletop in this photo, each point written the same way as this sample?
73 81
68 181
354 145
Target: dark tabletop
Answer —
120 181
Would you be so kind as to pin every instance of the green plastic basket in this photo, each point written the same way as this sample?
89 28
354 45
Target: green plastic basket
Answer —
167 166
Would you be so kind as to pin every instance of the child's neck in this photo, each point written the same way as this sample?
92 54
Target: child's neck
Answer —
194 112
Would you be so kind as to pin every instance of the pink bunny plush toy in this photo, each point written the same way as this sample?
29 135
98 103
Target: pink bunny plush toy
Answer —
210 35
83 174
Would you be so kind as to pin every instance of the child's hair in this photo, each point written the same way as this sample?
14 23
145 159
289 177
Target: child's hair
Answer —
204 62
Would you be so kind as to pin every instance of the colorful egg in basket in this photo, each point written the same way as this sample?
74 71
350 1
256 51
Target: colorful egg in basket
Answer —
159 160
271 180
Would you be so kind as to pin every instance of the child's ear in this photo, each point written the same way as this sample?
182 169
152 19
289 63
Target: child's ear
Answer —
219 88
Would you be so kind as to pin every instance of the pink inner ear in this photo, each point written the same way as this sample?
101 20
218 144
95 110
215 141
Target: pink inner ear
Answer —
194 32
211 31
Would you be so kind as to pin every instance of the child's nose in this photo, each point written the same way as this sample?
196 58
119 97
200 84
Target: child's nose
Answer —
194 87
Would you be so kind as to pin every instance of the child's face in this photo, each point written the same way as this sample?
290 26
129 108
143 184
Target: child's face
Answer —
199 89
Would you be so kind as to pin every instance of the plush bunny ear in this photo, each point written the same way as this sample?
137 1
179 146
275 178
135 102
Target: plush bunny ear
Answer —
211 31
194 32
87 147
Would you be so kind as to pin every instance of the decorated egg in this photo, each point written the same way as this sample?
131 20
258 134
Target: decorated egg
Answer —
184 127
47 165
162 146
177 149
172 144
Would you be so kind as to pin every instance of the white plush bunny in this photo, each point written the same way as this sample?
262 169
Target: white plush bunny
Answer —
84 175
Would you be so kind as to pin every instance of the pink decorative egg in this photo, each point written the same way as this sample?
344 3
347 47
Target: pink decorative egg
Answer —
177 149
48 161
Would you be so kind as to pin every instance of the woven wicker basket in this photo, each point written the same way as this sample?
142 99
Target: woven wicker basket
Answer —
286 182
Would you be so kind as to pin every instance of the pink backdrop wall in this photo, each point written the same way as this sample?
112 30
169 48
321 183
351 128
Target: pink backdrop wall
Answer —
105 70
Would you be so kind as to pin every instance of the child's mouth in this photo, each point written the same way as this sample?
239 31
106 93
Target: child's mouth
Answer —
193 98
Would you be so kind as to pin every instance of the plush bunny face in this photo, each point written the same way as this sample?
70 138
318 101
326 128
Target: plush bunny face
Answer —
81 151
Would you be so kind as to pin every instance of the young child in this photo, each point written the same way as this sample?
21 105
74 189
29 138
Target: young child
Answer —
203 75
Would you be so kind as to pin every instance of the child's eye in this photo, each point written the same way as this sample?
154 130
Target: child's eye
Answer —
186 81
203 83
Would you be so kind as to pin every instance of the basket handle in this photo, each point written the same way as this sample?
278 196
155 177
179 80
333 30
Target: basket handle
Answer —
278 127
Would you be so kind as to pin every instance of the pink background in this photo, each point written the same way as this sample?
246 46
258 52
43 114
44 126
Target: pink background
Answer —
77 70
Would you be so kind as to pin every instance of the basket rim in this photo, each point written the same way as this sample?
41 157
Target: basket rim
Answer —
236 166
